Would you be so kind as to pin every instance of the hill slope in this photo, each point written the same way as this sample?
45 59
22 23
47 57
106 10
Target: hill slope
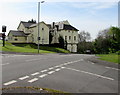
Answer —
31 48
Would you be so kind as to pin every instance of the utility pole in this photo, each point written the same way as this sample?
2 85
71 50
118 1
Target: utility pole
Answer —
39 25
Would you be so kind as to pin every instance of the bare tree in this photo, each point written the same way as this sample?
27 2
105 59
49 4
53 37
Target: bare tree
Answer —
84 36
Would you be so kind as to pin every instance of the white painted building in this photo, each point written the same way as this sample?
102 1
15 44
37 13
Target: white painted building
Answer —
29 30
68 32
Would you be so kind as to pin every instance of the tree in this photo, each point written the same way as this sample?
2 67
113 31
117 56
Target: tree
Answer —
84 42
32 21
108 40
61 42
84 36
50 37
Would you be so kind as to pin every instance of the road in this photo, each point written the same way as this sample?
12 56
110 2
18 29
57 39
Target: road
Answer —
65 72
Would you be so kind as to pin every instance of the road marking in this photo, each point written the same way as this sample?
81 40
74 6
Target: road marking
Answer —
91 73
43 75
5 64
57 66
57 69
112 68
25 77
44 71
51 72
33 80
62 67
51 68
35 73
91 62
10 82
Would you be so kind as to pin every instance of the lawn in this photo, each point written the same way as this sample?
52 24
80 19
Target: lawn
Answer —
109 57
30 48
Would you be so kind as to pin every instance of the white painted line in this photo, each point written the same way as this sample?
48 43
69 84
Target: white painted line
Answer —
57 69
51 68
43 75
62 67
57 66
5 64
44 71
25 77
33 80
51 72
10 82
91 74
91 62
35 73
112 68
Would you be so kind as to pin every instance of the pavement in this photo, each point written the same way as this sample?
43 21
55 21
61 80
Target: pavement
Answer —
72 73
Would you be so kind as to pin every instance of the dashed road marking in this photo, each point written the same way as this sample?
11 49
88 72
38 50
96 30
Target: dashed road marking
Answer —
33 80
62 67
25 77
57 69
112 68
43 75
91 73
51 68
10 82
5 64
57 66
51 72
44 71
35 73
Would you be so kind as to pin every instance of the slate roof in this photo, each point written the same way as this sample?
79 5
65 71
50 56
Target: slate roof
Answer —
69 27
49 25
17 33
27 24
33 25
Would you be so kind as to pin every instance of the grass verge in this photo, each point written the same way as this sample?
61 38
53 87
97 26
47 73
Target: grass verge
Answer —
30 48
109 57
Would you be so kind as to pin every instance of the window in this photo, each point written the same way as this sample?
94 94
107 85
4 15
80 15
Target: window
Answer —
69 37
74 37
65 38
16 39
42 28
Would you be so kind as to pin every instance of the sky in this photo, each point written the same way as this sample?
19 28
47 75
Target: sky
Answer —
89 16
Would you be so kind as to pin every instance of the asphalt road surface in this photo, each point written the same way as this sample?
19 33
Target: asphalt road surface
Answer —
65 72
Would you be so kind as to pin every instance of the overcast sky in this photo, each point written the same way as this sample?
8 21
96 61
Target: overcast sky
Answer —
89 16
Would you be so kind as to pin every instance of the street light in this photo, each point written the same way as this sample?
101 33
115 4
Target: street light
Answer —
38 24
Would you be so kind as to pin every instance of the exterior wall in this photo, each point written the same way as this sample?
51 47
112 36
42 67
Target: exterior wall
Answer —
44 34
30 38
11 39
72 39
22 28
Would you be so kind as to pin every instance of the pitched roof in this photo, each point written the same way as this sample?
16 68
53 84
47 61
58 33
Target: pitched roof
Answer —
49 25
17 33
33 25
27 24
69 27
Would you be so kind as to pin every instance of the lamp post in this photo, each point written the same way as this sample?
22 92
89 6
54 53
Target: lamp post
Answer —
38 24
